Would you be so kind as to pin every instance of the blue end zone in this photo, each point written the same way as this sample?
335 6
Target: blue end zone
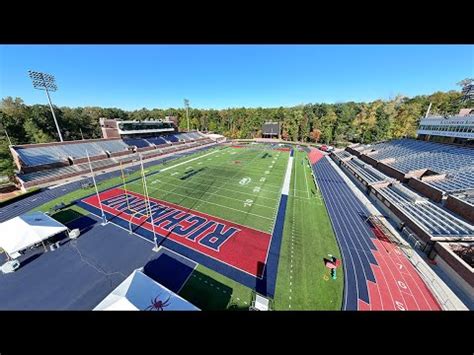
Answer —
264 286
170 270
271 270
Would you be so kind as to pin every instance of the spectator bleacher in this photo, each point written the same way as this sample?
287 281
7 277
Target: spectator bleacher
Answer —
365 171
456 181
53 153
137 142
113 146
432 218
47 162
157 141
40 156
171 138
410 155
37 160
44 176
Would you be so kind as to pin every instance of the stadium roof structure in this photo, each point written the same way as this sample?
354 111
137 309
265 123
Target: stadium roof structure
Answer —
24 231
140 292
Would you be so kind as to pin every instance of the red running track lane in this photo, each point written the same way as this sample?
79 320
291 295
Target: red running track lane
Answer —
315 155
398 285
247 250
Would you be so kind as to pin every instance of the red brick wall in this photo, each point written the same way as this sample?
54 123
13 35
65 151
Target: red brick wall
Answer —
461 208
425 189
461 268
368 160
353 151
391 171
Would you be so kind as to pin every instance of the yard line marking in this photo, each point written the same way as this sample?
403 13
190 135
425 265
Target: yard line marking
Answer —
212 203
239 191
209 193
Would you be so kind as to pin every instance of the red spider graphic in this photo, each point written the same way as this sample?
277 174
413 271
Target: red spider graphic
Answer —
157 304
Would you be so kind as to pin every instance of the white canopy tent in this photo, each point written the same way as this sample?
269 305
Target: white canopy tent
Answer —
24 231
140 292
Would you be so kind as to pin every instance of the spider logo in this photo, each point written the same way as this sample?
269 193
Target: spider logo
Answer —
157 304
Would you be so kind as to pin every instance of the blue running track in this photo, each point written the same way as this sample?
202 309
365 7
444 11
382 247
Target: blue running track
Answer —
354 235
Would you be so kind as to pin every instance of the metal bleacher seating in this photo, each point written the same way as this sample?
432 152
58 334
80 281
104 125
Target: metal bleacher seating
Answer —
410 154
171 138
37 156
137 142
156 141
113 146
63 172
59 153
366 171
456 181
434 219
185 136
454 161
78 150
342 154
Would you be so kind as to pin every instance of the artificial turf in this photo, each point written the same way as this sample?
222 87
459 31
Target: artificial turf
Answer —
303 281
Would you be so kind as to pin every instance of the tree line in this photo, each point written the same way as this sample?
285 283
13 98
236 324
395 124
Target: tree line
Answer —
335 124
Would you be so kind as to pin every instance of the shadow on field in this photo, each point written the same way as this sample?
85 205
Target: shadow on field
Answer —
206 293
66 216
261 283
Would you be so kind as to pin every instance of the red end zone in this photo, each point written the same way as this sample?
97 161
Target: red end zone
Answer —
238 246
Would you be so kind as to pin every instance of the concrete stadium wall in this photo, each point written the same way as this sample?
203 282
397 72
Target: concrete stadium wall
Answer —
425 189
462 208
454 266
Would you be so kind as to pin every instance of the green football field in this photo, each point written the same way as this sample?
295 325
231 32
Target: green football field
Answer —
243 185
235 184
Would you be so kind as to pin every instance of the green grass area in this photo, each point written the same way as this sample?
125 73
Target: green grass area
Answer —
211 291
308 238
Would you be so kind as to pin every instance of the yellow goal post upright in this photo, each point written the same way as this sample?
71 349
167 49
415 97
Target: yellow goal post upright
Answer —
124 185
104 218
147 202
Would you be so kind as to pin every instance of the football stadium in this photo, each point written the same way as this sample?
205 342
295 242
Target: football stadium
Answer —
151 216
188 220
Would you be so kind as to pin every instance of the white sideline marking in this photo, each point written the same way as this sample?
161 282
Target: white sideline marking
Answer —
286 182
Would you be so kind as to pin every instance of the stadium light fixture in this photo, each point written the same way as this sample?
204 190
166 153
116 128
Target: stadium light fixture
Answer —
46 82
186 104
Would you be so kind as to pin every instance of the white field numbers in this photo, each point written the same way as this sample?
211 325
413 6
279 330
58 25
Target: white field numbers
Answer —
248 203
245 181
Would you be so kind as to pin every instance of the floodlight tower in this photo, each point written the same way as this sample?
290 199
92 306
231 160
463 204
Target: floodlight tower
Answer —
46 82
186 104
